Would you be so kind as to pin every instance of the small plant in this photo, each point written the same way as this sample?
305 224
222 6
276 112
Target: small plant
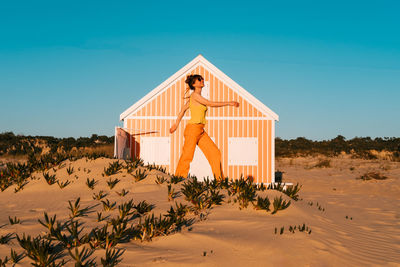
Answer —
14 221
279 204
112 257
100 195
161 169
301 228
91 183
74 239
153 226
176 179
70 170
99 237
139 175
123 192
320 207
3 262
200 195
150 167
131 166
262 203
108 206
49 222
160 179
43 252
143 207
80 257
63 184
50 179
20 185
244 190
75 211
171 193
5 238
100 217
291 191
113 168
112 183
15 258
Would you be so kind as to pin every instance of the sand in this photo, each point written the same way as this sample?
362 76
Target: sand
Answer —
369 236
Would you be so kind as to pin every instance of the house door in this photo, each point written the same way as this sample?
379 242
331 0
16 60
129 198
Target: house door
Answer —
200 167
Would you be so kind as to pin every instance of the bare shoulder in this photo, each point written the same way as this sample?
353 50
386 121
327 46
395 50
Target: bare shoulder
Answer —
196 96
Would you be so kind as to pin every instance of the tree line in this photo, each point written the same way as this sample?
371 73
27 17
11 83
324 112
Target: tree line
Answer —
11 144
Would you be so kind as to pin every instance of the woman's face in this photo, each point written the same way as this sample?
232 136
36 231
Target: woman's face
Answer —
198 83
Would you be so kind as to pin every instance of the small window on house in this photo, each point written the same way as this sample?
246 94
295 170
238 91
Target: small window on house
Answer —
243 151
155 150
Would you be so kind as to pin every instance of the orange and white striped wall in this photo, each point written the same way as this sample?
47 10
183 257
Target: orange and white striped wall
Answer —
245 135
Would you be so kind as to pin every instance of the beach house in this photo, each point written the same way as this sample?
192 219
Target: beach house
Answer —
245 135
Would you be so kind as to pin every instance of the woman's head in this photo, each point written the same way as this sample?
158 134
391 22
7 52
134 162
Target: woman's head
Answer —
194 80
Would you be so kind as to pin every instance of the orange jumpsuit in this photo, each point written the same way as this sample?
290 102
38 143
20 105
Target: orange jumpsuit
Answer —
195 135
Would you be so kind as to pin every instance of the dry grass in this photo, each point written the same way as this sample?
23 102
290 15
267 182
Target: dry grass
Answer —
372 175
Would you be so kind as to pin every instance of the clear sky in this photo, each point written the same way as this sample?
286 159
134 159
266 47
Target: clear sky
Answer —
70 68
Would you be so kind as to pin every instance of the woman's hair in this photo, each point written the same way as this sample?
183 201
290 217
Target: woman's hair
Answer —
190 79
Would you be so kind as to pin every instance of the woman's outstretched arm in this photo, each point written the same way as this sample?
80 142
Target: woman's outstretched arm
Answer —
178 119
209 103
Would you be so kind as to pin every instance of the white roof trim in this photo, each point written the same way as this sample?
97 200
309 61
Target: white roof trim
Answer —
200 59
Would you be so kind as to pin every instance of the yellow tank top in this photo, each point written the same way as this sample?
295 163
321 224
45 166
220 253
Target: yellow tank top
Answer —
197 112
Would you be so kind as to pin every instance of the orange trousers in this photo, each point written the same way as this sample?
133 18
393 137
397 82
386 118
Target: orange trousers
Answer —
195 135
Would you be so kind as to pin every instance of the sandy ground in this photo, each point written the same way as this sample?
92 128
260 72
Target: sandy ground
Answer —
369 236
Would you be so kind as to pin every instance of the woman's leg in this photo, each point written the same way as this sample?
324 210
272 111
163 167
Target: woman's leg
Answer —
213 155
192 134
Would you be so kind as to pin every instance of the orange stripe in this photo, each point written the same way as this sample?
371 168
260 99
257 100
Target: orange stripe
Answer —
270 171
173 102
168 102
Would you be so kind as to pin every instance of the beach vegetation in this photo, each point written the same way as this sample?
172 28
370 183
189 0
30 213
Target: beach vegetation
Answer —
160 179
280 204
91 183
81 258
139 175
372 175
50 179
63 184
122 193
15 257
14 220
108 206
113 168
112 182
112 257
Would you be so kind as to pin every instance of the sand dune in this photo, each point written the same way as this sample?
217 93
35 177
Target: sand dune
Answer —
369 236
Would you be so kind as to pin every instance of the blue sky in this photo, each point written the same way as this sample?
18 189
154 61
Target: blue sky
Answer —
69 68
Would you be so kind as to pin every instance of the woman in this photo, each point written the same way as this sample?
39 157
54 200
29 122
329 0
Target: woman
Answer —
194 131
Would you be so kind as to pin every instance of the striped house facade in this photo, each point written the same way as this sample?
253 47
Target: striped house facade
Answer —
245 135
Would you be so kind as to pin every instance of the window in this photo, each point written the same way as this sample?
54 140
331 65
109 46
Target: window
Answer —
155 150
243 151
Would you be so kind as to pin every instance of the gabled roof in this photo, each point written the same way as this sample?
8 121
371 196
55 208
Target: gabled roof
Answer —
200 60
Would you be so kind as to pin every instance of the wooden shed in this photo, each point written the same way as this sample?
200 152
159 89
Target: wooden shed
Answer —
245 135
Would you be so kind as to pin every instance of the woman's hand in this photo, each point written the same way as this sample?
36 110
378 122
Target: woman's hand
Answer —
234 103
173 128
